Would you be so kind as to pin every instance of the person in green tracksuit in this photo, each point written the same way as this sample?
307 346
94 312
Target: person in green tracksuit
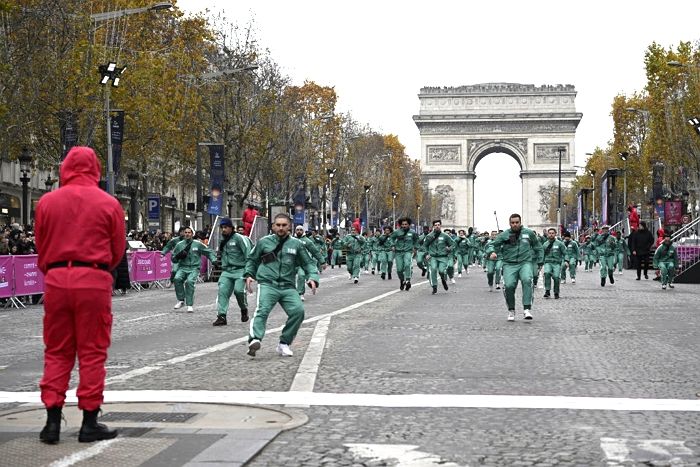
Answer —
274 262
439 246
373 253
605 247
169 246
188 256
472 241
420 253
517 246
353 243
405 245
462 252
234 249
570 259
321 246
622 251
493 267
588 254
666 260
554 256
337 247
385 253
451 257
366 252
314 252
593 251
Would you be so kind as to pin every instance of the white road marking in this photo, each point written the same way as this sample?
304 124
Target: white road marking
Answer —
620 451
144 317
85 454
382 400
305 379
405 455
225 345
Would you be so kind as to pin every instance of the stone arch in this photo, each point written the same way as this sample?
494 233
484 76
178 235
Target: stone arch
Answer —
496 146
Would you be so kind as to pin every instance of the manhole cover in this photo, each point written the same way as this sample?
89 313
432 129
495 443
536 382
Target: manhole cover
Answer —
156 417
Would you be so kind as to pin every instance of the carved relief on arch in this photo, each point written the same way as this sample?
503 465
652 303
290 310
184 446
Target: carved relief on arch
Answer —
475 147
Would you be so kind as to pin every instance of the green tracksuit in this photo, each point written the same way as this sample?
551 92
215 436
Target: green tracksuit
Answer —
570 259
234 253
554 256
277 278
366 252
438 246
420 254
385 255
405 245
374 253
493 267
621 251
188 268
517 251
337 247
169 246
605 247
666 260
353 243
462 253
315 253
588 255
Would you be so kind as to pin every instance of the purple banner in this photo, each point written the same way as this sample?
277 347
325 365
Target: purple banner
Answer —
6 276
28 279
143 266
216 172
163 266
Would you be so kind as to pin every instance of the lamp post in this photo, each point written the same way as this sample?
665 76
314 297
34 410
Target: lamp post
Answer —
564 226
418 218
49 182
173 205
109 72
25 165
393 208
593 194
561 151
623 156
367 188
133 179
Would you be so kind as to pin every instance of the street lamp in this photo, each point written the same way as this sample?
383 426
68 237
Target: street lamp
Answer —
393 208
173 205
624 155
49 182
417 217
564 226
561 151
367 188
133 179
110 72
331 173
25 165
695 122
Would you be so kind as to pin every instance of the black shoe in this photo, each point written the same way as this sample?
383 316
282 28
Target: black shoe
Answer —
51 432
332 266
612 279
91 430
556 296
389 276
639 278
356 280
372 271
402 286
670 285
546 294
220 321
383 276
434 289
602 281
646 277
423 272
444 281
408 286
244 315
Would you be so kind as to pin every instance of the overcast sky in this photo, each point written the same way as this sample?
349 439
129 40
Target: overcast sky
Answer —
378 54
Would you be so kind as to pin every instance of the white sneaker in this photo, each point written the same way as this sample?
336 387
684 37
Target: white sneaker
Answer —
527 314
540 286
619 273
453 281
573 281
459 275
563 281
511 316
178 305
302 298
253 346
190 309
284 350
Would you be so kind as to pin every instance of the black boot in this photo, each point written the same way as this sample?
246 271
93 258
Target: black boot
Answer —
434 289
444 281
602 281
52 431
612 279
244 315
91 430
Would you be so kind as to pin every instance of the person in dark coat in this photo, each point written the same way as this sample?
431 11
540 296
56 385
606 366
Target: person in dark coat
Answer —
121 276
640 243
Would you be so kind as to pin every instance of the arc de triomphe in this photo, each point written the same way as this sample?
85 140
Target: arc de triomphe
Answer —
459 126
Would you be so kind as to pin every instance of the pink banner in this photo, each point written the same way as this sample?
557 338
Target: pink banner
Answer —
28 279
6 276
163 265
143 266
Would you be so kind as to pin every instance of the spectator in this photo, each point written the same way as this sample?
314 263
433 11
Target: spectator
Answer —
640 243
248 218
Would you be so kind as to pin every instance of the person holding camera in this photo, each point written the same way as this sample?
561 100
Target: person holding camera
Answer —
516 247
187 254
273 263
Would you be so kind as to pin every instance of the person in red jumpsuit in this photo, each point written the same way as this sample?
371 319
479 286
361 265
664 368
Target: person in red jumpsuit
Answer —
78 289
248 218
633 217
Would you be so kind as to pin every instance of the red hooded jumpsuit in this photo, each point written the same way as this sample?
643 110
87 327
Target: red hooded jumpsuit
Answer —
77 223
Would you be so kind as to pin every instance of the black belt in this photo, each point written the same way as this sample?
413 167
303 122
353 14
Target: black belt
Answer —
78 264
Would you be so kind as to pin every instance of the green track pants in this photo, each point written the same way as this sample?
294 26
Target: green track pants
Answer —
268 297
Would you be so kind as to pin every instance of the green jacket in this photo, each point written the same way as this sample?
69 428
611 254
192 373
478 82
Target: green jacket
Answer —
235 254
384 243
367 246
571 250
281 272
354 243
439 245
554 251
605 245
312 248
666 254
193 259
462 245
621 246
171 244
404 241
523 247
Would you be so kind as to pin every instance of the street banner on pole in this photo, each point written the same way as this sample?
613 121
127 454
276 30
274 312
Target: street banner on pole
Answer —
216 172
69 131
117 123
